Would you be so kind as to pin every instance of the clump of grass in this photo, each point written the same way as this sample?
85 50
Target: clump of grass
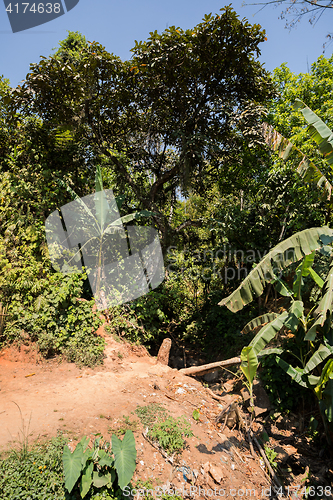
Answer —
170 433
151 413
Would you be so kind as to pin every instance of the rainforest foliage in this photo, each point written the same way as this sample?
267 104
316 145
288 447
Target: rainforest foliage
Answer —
176 132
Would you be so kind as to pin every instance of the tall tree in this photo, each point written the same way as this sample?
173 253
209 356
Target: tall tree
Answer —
169 118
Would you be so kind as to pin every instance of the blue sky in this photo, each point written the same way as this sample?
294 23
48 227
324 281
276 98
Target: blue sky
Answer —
117 24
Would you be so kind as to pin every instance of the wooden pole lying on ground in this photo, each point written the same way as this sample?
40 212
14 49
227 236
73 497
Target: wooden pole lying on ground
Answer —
201 370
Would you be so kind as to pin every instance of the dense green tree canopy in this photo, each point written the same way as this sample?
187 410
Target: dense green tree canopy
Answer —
173 116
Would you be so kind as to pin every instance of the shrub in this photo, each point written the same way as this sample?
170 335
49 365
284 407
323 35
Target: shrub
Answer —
48 311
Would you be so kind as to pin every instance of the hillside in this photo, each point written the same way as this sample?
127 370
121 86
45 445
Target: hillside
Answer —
57 396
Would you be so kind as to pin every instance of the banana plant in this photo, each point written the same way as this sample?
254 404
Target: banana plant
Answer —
301 247
313 331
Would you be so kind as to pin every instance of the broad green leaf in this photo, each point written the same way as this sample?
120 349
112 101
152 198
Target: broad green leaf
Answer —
294 313
100 479
316 278
260 320
86 479
98 179
324 309
268 332
302 270
282 287
84 442
249 363
326 374
78 199
318 357
272 350
318 131
306 168
295 374
105 459
86 451
87 454
72 465
102 208
313 380
285 253
125 456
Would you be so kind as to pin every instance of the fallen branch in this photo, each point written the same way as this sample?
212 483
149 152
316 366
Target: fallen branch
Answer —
211 367
200 370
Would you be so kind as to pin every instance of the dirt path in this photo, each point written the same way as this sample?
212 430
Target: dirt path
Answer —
56 396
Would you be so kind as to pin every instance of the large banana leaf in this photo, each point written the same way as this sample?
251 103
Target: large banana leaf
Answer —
270 350
259 321
295 373
285 253
282 287
294 314
318 131
302 271
268 332
102 206
326 374
318 357
307 170
324 308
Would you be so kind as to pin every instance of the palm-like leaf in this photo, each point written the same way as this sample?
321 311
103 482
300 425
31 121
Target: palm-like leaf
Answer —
324 308
291 250
76 198
318 357
318 131
326 374
307 170
295 313
303 270
295 373
259 321
268 332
